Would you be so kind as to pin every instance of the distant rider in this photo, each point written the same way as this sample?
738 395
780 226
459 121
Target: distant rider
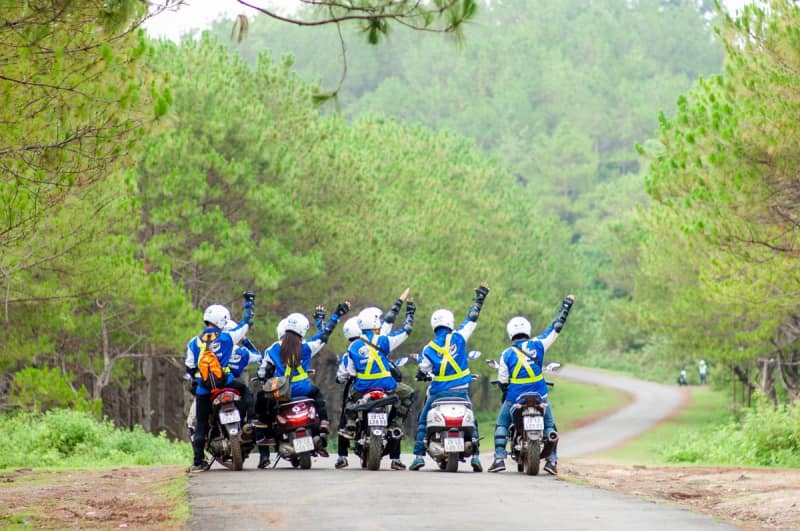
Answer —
444 361
222 344
520 371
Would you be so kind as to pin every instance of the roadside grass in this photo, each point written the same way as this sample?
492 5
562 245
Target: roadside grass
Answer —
707 409
176 492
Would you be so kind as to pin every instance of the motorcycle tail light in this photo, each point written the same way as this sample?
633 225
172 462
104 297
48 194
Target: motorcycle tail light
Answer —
453 421
375 395
301 433
227 396
532 401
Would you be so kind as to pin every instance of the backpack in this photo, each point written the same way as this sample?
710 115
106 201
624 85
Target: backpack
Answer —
212 375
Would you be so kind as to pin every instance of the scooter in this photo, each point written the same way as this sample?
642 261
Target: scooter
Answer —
227 443
528 442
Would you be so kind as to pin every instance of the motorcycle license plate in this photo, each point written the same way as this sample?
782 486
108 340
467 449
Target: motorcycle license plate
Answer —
453 444
378 419
533 423
226 417
303 444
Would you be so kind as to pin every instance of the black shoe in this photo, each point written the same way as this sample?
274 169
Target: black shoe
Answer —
398 465
341 462
551 468
202 467
498 466
263 462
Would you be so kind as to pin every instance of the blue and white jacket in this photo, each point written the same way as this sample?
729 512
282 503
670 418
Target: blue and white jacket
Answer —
445 358
223 347
369 365
522 373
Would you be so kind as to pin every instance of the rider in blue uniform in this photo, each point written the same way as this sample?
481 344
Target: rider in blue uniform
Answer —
444 361
520 371
369 366
221 343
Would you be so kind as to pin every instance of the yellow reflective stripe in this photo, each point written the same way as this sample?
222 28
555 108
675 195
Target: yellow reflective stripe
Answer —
522 361
447 359
372 359
301 374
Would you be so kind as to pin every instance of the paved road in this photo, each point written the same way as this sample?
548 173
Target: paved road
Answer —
324 498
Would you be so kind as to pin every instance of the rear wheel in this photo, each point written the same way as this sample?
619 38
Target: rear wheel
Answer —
442 464
305 461
236 452
532 458
374 452
452 462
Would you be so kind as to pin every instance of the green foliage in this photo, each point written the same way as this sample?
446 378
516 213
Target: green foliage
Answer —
764 436
42 389
720 248
64 438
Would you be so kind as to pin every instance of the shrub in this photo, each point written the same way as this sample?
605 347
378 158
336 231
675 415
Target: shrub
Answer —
762 436
65 438
43 389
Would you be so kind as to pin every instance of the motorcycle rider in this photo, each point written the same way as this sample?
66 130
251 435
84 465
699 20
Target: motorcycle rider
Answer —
369 366
244 354
215 318
293 351
351 332
520 371
444 361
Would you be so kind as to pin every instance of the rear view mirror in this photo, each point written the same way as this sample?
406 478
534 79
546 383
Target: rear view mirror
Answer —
493 364
552 366
414 356
474 354
399 362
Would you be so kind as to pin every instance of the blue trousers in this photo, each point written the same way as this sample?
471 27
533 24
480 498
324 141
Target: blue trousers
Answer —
504 422
422 422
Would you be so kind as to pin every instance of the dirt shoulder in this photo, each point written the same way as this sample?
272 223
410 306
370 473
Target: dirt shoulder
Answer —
127 497
748 498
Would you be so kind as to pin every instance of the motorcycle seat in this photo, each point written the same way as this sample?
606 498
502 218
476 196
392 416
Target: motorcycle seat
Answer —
445 401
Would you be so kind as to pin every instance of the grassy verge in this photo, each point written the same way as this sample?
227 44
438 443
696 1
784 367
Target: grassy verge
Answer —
706 409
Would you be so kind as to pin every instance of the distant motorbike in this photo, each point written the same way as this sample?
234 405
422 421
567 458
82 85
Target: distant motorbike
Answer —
227 443
450 429
528 443
374 411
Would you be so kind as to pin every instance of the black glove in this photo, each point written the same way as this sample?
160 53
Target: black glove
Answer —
480 295
391 315
343 308
250 297
396 374
319 313
566 305
408 323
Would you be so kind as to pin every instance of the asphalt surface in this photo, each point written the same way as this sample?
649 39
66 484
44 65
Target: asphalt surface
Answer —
324 498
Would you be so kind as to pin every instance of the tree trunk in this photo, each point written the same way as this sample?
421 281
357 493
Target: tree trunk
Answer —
144 394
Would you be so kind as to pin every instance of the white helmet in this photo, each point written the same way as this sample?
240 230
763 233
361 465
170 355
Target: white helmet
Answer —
217 314
297 323
281 328
443 318
518 325
351 329
370 318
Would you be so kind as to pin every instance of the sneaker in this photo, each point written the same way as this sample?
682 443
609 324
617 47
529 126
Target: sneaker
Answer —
347 432
325 427
498 466
398 465
417 463
341 462
476 464
551 468
263 462
202 467
322 452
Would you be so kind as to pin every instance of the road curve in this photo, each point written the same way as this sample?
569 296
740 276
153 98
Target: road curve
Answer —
652 403
327 499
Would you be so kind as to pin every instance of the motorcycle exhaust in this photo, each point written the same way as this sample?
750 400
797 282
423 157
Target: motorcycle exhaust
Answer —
396 433
552 436
247 429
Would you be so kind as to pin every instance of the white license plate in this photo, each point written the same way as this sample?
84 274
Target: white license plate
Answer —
378 419
303 444
453 444
226 417
533 423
